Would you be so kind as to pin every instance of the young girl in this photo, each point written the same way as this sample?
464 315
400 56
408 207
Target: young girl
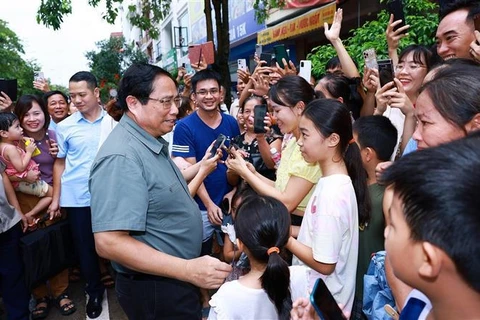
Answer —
328 237
19 162
262 226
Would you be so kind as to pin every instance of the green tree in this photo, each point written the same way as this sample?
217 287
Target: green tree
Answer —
12 65
110 61
421 15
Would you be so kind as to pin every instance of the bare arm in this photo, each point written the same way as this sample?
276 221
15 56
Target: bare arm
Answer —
264 149
305 254
58 168
119 246
18 161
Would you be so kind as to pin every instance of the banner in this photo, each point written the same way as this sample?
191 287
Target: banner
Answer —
291 4
307 22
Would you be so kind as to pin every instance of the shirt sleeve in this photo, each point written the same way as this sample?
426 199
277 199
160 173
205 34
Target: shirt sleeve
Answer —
300 168
183 142
119 195
62 144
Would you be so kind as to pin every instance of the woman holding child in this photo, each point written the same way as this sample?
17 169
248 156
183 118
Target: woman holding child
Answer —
34 119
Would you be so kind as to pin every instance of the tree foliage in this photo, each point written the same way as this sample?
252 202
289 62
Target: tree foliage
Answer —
263 7
421 15
111 60
12 64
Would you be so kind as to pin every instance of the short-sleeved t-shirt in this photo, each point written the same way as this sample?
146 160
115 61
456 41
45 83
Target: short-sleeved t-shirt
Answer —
293 164
136 187
330 228
192 137
9 217
44 159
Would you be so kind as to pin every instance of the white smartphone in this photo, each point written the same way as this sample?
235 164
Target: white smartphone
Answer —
242 64
370 58
258 49
38 75
305 70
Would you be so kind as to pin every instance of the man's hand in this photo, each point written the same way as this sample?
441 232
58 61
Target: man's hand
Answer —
207 272
215 214
5 101
54 209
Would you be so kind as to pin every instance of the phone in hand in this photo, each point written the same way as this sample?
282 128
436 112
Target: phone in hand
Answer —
370 57
219 142
305 70
258 49
324 303
267 57
242 64
395 7
38 76
10 88
385 71
280 54
259 113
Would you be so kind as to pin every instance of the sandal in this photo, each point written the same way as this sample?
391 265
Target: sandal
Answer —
66 308
107 280
41 312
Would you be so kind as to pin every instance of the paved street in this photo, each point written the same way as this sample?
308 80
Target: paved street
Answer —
111 308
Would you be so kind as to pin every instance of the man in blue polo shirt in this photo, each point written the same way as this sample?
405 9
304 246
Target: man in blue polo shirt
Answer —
78 137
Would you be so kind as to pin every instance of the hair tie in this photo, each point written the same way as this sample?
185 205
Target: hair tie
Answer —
351 141
272 250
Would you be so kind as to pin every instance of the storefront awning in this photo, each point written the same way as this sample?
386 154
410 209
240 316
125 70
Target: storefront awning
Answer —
307 22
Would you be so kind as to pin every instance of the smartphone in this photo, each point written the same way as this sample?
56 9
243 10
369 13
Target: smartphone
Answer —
385 71
194 53
258 49
189 69
370 57
242 64
395 7
10 88
281 53
267 57
219 142
208 52
38 75
259 113
305 70
324 303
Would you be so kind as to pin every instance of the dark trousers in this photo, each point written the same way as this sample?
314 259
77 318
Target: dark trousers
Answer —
80 220
144 297
12 281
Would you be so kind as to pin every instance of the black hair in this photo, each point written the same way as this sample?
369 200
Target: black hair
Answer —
243 191
252 97
291 89
86 76
331 116
185 107
138 81
334 62
6 120
25 103
52 93
378 133
262 223
472 6
341 86
203 75
438 188
421 55
454 93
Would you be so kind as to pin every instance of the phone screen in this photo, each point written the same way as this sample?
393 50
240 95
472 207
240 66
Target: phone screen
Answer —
259 113
267 57
219 142
324 303
9 87
385 71
281 53
395 7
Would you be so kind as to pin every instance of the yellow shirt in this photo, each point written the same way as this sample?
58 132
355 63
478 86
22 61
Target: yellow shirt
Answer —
293 164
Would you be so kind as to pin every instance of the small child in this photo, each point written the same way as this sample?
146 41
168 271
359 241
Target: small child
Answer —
376 137
262 227
19 161
432 239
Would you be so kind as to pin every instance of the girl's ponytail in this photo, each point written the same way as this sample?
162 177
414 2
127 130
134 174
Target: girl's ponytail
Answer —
331 116
263 225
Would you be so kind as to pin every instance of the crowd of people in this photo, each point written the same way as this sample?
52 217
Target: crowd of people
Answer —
361 169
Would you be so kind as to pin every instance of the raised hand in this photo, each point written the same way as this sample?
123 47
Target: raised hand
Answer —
333 33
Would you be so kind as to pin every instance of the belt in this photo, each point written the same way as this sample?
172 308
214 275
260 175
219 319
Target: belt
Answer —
142 277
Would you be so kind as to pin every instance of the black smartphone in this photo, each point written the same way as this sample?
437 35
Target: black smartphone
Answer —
259 113
267 57
219 142
10 88
385 71
281 53
395 7
324 303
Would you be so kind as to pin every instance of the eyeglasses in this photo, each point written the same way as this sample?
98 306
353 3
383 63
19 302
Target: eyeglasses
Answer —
213 92
411 67
168 102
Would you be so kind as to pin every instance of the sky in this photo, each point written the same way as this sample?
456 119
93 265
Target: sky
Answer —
60 53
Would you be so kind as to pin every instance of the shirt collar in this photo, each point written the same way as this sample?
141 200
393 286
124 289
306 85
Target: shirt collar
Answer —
79 116
157 145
